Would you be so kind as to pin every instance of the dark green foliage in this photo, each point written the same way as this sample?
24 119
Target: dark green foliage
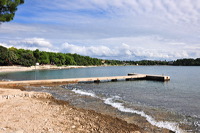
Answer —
52 58
187 62
61 58
8 9
12 57
69 60
36 54
142 62
150 62
43 58
26 59
3 55
85 60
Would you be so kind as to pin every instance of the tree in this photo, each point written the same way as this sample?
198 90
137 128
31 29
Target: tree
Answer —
3 55
27 59
8 9
12 58
69 60
36 54
44 58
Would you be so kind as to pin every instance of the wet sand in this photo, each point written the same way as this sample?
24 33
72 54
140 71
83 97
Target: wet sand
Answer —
26 112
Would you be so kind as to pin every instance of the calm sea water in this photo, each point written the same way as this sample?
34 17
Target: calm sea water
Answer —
173 105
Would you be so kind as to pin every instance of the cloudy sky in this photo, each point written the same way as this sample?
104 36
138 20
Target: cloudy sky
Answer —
108 29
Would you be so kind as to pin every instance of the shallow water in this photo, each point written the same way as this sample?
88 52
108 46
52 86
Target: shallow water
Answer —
174 102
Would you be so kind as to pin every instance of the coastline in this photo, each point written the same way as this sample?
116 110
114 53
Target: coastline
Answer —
40 67
23 112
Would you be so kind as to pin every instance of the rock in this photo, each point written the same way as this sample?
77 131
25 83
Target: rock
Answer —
73 126
50 130
135 132
77 118
20 131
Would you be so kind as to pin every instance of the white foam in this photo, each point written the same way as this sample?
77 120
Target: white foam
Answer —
168 125
45 87
109 101
84 93
7 80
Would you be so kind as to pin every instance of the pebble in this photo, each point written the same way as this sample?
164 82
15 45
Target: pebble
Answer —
3 129
20 131
74 126
76 118
50 130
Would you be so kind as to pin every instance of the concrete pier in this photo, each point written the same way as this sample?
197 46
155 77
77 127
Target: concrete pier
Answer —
154 77
18 84
157 77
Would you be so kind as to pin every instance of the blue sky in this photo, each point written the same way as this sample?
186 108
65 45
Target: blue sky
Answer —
114 29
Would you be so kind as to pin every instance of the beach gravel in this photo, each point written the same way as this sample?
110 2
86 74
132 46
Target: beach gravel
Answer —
37 112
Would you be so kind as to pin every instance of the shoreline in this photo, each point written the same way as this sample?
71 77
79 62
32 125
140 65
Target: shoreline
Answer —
16 68
23 111
40 67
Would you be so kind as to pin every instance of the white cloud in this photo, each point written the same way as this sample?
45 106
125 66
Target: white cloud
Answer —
97 51
126 52
30 43
39 42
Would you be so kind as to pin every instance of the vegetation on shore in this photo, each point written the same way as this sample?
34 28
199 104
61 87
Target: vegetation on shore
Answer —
14 56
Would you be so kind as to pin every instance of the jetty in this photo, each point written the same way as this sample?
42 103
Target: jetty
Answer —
129 77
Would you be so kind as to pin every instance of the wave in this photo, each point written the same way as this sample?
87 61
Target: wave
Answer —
7 80
111 101
84 93
161 124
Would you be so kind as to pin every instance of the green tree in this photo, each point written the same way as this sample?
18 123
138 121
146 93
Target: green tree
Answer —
27 59
44 58
197 62
3 55
8 9
52 58
61 58
12 58
36 54
69 60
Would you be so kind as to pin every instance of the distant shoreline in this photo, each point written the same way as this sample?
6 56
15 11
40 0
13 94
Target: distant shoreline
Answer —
40 67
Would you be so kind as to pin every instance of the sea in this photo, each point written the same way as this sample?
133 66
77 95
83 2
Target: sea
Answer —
174 104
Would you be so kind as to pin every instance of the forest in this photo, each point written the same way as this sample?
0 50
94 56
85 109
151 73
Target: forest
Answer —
13 56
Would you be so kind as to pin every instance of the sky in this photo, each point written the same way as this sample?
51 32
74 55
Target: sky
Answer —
107 29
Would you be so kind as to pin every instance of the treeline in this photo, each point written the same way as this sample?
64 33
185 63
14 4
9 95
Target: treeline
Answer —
142 62
147 62
14 56
187 62
178 62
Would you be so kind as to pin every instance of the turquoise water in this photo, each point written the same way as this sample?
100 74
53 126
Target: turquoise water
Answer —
180 96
